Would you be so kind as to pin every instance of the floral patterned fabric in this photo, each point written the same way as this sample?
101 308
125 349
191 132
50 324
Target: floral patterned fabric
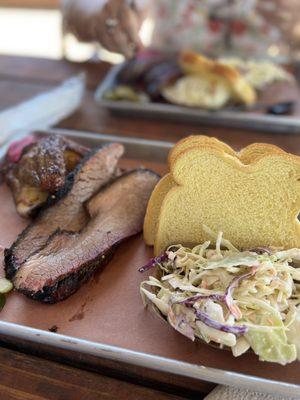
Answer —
219 27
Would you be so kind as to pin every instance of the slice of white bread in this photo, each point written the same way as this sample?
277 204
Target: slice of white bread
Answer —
167 182
253 204
195 63
247 155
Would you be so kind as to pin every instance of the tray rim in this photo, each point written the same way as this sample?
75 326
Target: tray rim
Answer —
115 353
155 362
225 118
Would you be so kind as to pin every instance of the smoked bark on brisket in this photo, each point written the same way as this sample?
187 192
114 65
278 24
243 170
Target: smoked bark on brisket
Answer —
70 258
66 210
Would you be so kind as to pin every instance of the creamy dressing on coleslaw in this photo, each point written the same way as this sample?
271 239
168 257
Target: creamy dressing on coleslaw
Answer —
240 299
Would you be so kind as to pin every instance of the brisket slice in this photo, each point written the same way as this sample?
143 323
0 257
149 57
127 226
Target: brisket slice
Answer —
66 211
69 259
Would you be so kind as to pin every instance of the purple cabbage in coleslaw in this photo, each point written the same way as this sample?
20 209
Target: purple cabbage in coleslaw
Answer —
240 299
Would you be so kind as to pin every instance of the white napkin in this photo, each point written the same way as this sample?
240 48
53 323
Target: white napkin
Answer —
233 393
44 110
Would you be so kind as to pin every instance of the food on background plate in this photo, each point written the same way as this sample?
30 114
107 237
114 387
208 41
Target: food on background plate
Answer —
33 170
134 70
238 299
197 91
150 72
125 92
193 80
259 73
276 88
209 84
80 227
244 291
253 204
213 84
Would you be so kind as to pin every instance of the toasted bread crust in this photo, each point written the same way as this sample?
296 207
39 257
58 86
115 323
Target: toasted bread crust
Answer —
154 206
254 151
193 140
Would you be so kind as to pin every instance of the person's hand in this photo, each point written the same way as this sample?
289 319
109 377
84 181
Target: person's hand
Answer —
117 27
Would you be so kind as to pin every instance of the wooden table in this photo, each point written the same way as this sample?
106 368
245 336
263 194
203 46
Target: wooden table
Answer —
35 373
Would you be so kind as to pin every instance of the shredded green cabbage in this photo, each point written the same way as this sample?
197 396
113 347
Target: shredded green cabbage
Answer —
239 299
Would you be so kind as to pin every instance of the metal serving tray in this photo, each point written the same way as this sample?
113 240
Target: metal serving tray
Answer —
225 118
159 347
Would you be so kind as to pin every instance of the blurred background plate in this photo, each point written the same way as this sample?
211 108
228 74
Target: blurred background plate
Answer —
234 118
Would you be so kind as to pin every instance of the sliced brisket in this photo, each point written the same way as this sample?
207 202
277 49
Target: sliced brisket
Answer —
69 259
67 211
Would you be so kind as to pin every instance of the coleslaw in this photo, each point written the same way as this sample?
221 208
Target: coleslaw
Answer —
239 299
